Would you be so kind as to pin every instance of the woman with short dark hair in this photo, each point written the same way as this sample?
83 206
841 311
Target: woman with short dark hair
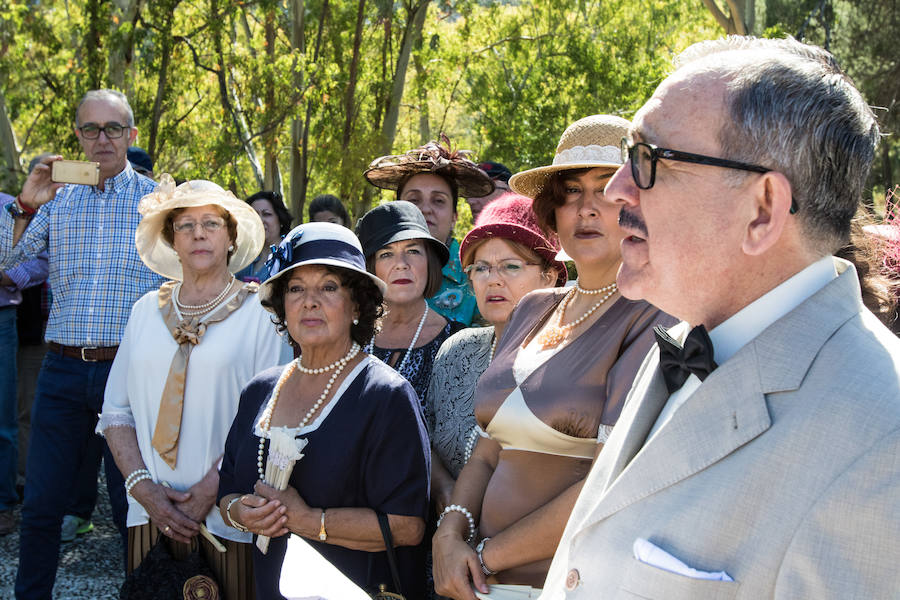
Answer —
364 442
400 250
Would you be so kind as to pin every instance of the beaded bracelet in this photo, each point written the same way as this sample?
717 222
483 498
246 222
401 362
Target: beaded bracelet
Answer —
134 474
130 485
465 512
231 520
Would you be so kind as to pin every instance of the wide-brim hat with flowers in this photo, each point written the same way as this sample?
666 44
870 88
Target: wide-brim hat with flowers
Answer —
320 243
161 257
589 143
390 172
510 217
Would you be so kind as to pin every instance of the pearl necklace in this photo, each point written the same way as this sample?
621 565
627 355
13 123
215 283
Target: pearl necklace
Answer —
553 334
605 288
197 309
338 363
266 419
412 344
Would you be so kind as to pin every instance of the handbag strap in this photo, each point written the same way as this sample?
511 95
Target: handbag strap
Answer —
389 548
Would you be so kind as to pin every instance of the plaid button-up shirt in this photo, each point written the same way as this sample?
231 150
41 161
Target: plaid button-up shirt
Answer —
96 274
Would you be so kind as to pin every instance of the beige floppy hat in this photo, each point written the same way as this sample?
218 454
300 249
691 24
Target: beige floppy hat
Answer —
588 143
160 257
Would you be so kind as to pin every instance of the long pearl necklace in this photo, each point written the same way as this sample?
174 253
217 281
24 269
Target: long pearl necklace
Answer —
266 419
555 333
199 309
412 344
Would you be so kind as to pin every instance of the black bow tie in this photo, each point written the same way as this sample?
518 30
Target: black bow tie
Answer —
677 362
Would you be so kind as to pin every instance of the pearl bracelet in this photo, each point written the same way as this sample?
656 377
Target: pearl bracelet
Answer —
134 474
465 512
135 478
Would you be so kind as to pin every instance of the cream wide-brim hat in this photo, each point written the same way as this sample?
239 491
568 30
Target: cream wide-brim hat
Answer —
589 143
160 257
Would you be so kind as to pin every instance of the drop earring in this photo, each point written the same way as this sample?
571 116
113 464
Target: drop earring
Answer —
356 321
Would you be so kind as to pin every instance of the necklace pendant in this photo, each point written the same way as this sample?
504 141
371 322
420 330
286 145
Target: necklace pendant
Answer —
551 337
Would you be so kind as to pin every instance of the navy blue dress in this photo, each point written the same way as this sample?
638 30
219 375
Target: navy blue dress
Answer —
370 451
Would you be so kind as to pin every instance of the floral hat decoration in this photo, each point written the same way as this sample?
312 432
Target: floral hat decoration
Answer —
160 256
391 172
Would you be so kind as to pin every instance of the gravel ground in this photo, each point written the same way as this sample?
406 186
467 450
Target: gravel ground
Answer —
91 567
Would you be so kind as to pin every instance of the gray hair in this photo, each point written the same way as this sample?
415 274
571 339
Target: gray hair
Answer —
109 96
790 108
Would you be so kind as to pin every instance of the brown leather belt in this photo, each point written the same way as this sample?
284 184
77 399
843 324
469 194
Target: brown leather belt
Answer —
87 353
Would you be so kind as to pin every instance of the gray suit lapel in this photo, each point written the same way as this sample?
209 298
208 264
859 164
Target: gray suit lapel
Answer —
728 410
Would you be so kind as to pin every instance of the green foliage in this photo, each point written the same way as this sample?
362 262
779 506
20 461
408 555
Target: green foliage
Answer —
207 87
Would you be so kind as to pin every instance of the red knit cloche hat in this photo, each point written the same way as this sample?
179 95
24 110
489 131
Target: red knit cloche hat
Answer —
511 217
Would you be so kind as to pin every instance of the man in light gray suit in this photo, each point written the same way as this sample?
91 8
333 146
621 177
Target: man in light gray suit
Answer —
766 465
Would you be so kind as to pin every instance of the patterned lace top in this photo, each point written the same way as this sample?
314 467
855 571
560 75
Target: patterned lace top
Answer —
417 369
449 413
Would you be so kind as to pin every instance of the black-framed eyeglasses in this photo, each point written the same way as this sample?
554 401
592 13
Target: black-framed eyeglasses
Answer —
113 131
644 157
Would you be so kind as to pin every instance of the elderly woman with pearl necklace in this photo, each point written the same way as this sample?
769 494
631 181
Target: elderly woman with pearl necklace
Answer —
365 446
174 385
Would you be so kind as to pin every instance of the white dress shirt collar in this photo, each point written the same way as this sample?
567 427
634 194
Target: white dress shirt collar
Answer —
749 322
753 319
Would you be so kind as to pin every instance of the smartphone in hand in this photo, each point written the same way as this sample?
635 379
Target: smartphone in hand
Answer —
75 171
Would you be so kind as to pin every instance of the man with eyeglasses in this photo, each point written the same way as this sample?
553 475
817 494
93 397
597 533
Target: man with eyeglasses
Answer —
758 453
96 276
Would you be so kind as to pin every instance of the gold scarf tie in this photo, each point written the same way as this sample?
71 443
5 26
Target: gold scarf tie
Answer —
187 332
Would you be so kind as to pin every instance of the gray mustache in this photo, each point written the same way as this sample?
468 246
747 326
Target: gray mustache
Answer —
632 221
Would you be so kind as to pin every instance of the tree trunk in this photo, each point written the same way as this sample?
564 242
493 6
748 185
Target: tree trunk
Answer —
735 23
298 167
347 164
411 35
121 50
229 98
95 56
162 78
273 173
10 148
422 89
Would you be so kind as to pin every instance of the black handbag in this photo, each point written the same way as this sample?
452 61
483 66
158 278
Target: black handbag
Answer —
382 593
160 576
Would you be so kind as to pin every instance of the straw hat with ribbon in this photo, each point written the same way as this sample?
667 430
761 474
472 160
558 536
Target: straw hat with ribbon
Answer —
391 172
156 252
588 143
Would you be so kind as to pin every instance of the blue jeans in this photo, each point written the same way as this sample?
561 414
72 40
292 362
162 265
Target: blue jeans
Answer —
9 401
69 397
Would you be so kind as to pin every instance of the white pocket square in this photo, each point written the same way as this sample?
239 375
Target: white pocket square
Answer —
649 553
